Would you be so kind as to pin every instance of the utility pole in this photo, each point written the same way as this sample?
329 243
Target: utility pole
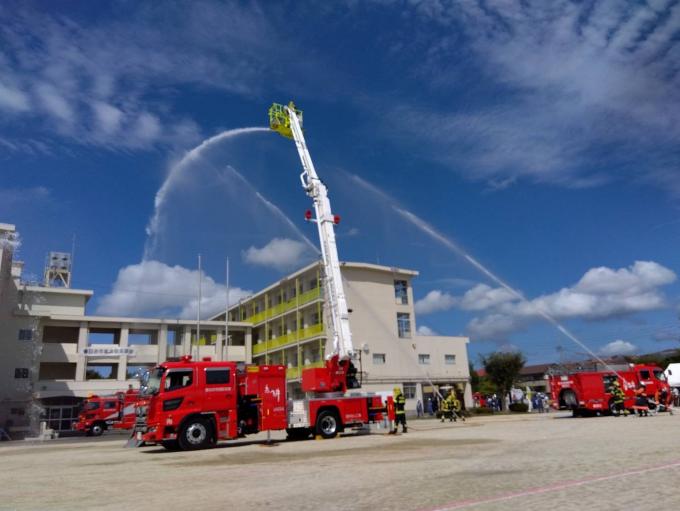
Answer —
226 316
198 313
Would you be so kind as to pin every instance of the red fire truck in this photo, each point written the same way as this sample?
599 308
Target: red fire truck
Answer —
100 413
192 405
588 392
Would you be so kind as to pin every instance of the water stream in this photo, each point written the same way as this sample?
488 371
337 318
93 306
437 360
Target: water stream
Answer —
433 233
176 171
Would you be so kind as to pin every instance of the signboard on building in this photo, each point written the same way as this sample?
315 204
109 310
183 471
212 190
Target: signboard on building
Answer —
107 351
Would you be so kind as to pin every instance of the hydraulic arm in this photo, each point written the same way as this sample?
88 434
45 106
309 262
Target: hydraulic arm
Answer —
287 120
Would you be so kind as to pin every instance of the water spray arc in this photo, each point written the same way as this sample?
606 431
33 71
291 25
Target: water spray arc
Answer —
426 228
176 172
274 209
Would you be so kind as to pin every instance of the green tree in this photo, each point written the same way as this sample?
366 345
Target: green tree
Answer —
502 369
486 386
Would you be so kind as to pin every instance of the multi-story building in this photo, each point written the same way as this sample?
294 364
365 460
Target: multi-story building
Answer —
288 328
53 354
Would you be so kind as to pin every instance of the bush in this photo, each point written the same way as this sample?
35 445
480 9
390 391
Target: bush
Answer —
481 411
519 407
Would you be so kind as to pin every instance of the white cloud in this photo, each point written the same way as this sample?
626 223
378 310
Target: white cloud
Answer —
577 75
13 99
280 253
147 127
54 103
11 197
601 293
154 288
114 82
426 331
435 301
618 347
107 116
482 297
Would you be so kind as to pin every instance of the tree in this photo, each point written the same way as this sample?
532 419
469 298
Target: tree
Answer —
502 368
474 378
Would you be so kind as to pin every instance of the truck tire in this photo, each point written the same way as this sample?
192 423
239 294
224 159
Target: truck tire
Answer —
195 433
327 424
612 407
97 429
170 445
298 433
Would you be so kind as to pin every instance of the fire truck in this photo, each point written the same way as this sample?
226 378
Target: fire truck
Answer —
588 392
100 413
193 404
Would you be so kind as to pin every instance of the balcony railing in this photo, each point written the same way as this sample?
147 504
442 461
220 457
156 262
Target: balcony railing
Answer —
295 372
291 338
280 308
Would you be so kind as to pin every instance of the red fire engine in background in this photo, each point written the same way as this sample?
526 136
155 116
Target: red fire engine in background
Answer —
100 413
589 392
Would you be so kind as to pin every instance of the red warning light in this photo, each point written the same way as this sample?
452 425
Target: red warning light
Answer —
336 219
308 215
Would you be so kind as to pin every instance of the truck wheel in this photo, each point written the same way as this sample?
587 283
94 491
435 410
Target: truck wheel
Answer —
97 429
170 445
612 408
298 433
327 424
195 434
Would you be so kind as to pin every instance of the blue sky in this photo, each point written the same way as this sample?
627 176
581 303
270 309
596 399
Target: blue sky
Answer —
541 137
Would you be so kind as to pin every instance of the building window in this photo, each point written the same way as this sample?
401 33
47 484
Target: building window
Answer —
25 334
410 390
21 372
424 358
378 359
134 372
404 324
401 292
313 284
101 371
142 338
450 359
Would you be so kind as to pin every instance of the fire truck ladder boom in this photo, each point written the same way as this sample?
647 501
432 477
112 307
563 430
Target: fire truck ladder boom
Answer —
287 121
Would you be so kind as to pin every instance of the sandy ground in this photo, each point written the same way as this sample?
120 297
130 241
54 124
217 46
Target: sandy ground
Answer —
506 462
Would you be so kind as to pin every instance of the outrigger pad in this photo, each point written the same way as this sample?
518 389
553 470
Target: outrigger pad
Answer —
133 442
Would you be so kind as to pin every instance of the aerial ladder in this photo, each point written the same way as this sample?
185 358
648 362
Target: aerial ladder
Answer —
339 373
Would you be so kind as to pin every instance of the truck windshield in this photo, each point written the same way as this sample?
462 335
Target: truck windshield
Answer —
151 381
91 405
658 374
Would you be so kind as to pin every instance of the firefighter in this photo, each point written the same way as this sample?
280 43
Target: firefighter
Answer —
456 406
618 396
641 401
399 411
451 405
445 409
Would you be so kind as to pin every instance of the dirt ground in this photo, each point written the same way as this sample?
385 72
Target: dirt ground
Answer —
505 462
